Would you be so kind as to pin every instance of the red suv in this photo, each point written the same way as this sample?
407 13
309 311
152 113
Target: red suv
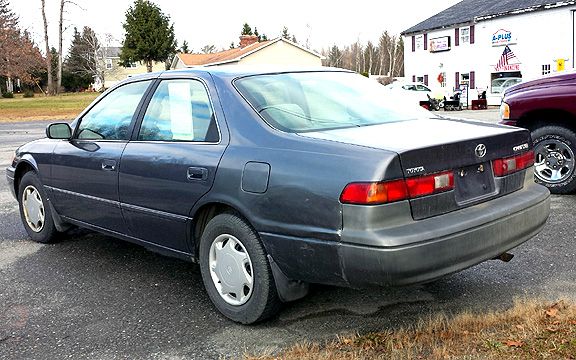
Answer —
547 107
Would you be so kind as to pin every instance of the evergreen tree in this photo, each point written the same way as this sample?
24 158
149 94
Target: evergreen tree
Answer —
256 33
246 30
285 33
80 67
184 48
232 46
149 35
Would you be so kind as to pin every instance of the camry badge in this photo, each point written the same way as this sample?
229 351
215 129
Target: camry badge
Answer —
480 150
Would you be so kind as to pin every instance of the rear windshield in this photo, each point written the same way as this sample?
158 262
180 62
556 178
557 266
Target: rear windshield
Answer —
314 101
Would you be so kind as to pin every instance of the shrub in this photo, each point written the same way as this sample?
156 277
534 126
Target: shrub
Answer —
8 95
28 93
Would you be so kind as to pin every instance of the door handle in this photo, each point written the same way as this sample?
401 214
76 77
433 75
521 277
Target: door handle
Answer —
197 173
109 165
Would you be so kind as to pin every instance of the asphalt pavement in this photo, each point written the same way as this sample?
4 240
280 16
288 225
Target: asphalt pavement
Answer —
92 296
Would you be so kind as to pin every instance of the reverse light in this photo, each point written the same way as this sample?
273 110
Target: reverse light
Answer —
372 193
513 164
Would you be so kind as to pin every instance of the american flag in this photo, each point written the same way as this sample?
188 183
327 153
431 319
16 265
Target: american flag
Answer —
506 56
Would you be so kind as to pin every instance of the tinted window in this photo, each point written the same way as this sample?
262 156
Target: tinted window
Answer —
422 88
110 119
299 102
180 110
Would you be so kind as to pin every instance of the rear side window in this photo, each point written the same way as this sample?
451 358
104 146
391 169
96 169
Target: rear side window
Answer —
180 110
110 118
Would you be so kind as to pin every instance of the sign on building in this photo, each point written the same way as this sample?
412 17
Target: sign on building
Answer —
440 44
508 61
502 37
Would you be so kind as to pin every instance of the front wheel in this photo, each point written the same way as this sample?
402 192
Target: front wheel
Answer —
554 159
35 209
235 270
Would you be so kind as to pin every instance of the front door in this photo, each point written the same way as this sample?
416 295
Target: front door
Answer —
85 169
170 163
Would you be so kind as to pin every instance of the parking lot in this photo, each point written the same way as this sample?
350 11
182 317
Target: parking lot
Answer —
94 296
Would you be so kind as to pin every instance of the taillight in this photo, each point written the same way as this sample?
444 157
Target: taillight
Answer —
396 190
374 193
430 184
512 164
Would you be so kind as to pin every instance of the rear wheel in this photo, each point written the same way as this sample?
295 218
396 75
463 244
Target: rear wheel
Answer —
554 158
35 209
235 270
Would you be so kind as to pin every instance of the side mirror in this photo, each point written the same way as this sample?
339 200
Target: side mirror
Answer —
59 131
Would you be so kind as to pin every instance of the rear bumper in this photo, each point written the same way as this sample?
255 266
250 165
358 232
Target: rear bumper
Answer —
516 218
10 171
383 245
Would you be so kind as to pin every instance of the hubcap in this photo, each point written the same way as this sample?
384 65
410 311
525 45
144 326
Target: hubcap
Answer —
554 161
33 208
231 269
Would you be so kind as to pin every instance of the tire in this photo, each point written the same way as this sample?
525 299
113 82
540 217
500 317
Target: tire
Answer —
554 157
248 305
35 210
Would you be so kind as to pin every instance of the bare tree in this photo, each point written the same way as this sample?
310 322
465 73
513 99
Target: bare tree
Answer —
208 49
60 34
48 54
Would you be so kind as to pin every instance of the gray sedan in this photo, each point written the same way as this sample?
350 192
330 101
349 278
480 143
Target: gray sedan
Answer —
275 180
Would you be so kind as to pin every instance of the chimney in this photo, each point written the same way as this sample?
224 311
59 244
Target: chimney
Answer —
246 40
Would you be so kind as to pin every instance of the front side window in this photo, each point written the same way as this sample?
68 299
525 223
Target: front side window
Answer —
108 64
110 118
313 101
180 110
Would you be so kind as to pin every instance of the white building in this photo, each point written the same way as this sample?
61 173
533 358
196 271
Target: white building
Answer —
476 42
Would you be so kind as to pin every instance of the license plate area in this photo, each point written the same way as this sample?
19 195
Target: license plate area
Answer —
473 182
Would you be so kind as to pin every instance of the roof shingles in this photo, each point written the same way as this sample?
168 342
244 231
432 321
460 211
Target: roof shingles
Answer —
219 57
468 11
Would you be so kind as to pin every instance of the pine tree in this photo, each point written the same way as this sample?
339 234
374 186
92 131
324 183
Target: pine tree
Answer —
285 33
149 35
246 30
184 48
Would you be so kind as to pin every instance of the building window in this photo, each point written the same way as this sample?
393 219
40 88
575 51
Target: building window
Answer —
442 79
546 69
108 64
419 42
420 79
465 35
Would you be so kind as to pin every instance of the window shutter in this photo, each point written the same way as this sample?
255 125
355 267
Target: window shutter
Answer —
425 41
457 37
426 80
413 43
472 80
471 34
457 82
413 78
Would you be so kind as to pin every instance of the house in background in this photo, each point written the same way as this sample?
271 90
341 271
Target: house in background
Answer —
113 72
251 52
486 45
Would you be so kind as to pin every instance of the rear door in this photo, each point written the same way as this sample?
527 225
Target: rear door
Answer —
85 169
170 162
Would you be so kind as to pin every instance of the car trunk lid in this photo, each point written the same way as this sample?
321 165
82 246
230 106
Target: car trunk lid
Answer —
428 146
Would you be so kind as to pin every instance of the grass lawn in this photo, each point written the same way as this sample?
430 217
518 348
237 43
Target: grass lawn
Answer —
529 330
62 107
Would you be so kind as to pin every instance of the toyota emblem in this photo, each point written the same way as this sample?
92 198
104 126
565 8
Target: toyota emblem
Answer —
480 150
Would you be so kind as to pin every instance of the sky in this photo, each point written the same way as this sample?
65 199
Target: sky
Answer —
321 23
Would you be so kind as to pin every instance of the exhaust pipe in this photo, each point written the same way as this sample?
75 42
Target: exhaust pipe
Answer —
506 257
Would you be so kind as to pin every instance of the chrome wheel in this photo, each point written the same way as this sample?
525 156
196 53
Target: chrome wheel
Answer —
231 269
554 161
33 207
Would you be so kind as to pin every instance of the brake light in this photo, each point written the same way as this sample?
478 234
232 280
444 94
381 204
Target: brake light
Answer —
513 164
390 191
430 184
374 193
